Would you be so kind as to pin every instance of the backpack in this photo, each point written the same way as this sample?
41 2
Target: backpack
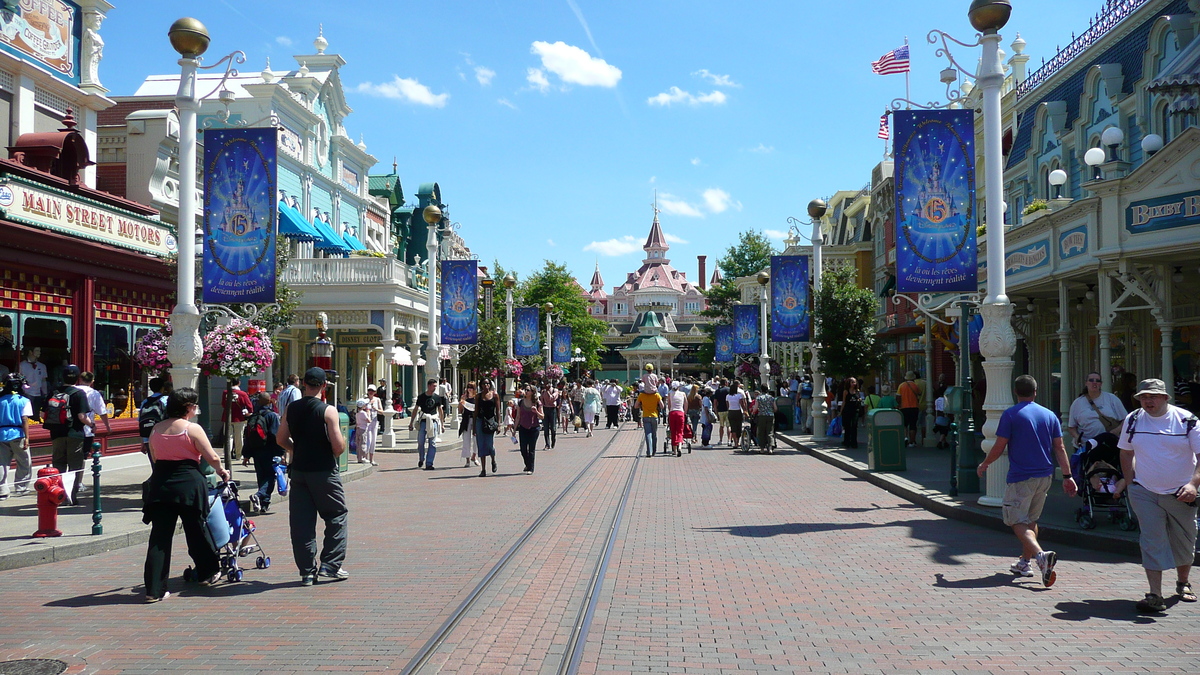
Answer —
154 410
254 438
1191 424
58 408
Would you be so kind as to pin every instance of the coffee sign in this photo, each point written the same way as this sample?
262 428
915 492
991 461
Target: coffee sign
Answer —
1163 213
46 31
53 211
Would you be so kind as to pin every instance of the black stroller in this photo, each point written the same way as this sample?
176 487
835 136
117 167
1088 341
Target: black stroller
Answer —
1098 463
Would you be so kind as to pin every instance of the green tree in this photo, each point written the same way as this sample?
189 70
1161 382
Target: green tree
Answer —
555 284
750 255
845 325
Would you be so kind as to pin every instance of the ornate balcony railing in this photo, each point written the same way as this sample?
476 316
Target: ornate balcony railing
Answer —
1113 13
327 271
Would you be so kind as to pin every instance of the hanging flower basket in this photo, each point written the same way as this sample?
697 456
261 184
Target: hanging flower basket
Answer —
150 350
237 349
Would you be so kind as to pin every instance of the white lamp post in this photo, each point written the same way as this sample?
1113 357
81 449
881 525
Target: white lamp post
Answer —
433 216
189 37
816 211
764 364
997 340
509 282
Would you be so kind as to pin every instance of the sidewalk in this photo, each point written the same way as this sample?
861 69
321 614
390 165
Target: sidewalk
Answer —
927 480
121 501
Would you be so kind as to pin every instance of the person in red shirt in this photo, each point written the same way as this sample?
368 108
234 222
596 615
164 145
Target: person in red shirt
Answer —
242 408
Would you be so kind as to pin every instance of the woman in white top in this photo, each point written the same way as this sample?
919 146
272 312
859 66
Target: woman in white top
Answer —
466 428
738 407
1094 412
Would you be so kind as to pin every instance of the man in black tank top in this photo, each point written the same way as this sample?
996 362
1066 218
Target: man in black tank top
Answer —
312 438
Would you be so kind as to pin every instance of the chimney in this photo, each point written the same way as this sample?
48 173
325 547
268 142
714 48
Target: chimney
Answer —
702 277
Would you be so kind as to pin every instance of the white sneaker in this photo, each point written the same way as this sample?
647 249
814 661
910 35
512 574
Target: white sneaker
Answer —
1021 568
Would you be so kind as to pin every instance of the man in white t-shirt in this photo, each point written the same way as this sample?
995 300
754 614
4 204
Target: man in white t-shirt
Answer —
96 406
1159 443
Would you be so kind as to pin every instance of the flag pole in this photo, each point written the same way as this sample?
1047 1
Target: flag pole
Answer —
907 93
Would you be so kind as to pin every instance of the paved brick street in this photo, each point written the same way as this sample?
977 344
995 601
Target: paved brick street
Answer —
722 562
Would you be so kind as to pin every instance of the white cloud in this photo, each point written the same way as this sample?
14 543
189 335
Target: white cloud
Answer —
484 75
284 41
676 95
673 239
775 234
575 66
615 247
718 80
506 102
718 200
537 80
404 89
678 207
695 161
764 149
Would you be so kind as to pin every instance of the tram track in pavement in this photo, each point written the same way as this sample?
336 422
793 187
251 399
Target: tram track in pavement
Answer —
572 655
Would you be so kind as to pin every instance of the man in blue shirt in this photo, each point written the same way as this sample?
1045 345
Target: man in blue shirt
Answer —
1033 436
15 411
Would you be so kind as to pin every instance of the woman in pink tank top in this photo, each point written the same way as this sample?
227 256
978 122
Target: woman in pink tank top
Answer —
178 491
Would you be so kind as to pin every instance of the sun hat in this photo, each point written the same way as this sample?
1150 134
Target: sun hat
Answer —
1151 386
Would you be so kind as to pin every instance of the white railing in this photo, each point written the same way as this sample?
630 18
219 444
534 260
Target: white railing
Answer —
354 270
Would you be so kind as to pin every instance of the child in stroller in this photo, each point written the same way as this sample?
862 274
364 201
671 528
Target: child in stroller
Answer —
232 532
1098 461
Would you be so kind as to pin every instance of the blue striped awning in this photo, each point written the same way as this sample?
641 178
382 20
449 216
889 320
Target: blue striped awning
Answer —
353 242
328 240
293 225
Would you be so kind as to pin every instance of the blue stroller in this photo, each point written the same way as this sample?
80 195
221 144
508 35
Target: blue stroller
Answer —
232 533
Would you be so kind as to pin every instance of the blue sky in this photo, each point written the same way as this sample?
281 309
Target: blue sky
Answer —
549 124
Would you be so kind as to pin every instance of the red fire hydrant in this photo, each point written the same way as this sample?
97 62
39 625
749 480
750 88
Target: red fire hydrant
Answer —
50 493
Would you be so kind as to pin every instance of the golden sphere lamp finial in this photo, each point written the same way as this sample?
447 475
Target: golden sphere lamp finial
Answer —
189 37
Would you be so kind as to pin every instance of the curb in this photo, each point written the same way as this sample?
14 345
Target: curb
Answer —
940 504
110 542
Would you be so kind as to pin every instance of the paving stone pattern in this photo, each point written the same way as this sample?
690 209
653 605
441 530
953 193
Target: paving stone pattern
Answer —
723 563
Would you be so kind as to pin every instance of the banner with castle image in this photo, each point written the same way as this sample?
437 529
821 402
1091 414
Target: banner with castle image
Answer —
935 201
239 215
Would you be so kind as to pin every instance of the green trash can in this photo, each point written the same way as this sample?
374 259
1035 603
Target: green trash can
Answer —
784 414
885 440
344 458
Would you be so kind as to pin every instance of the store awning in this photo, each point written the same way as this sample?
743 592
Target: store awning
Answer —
353 242
327 239
292 224
403 357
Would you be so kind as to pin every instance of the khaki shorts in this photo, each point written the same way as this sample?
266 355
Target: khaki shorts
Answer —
1023 501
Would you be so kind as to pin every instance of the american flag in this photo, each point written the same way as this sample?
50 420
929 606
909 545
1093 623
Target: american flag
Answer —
883 127
895 61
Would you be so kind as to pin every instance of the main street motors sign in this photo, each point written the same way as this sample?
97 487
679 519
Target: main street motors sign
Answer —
53 210
1163 213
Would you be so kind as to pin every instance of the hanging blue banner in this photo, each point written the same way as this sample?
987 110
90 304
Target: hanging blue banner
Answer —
789 298
460 302
745 329
562 344
525 331
935 201
723 338
239 215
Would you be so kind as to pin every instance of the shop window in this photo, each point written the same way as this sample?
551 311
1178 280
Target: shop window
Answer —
9 355
52 336
116 373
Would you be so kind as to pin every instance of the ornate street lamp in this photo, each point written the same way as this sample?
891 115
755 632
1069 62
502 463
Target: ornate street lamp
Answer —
764 364
189 37
816 211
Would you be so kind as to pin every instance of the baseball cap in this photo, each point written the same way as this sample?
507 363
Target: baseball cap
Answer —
314 377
